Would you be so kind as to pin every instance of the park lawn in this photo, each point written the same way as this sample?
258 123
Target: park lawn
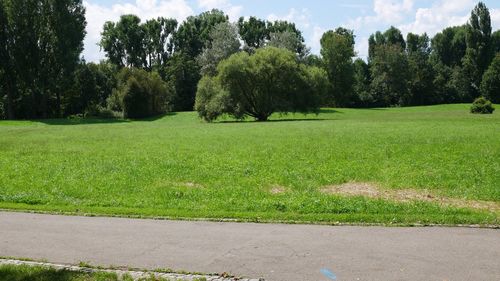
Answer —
177 166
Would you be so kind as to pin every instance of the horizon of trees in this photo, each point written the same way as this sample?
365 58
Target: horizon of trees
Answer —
42 73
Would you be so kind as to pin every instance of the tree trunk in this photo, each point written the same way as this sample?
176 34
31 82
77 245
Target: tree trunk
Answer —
262 117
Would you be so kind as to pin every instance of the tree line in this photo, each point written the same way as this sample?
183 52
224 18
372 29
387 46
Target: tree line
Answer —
251 67
457 65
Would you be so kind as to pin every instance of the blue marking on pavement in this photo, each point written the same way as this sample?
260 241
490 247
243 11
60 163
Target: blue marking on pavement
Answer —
328 274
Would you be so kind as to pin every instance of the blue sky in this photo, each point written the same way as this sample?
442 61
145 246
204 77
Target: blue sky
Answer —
313 17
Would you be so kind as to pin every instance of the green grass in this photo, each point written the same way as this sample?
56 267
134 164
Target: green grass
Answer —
178 166
41 273
47 273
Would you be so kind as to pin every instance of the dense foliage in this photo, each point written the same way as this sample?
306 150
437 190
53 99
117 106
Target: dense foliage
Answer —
40 45
482 106
448 68
130 43
42 73
141 94
490 86
271 80
92 85
224 42
337 49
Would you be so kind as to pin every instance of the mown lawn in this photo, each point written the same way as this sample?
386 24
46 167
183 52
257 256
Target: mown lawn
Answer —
178 166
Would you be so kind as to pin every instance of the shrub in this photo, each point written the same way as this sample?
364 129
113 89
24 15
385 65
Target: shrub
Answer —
136 102
482 106
211 100
115 100
141 94
101 112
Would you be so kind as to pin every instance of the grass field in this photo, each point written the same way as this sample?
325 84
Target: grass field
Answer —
177 166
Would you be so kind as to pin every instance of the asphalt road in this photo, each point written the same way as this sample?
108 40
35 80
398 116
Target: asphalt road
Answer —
275 252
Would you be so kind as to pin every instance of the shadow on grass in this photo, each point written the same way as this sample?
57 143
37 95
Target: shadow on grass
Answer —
329 110
154 118
81 121
287 117
92 120
377 108
273 120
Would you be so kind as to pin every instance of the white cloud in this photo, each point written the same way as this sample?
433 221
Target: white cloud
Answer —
302 18
392 11
361 47
495 18
402 14
354 6
233 11
209 4
440 15
97 15
386 11
314 42
444 14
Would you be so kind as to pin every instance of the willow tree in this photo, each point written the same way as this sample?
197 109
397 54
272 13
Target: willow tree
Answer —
271 80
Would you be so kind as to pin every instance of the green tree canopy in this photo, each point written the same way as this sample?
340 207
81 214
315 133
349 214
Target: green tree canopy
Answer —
495 42
271 80
390 74
224 41
157 41
478 52
41 44
184 72
189 40
194 33
131 43
490 85
337 49
449 46
257 33
391 36
253 31
7 94
421 72
361 85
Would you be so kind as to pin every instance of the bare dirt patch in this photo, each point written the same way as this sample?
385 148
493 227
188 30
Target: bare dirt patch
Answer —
192 185
171 184
406 195
277 189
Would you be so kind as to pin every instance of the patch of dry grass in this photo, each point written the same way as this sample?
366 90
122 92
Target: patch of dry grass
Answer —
371 190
